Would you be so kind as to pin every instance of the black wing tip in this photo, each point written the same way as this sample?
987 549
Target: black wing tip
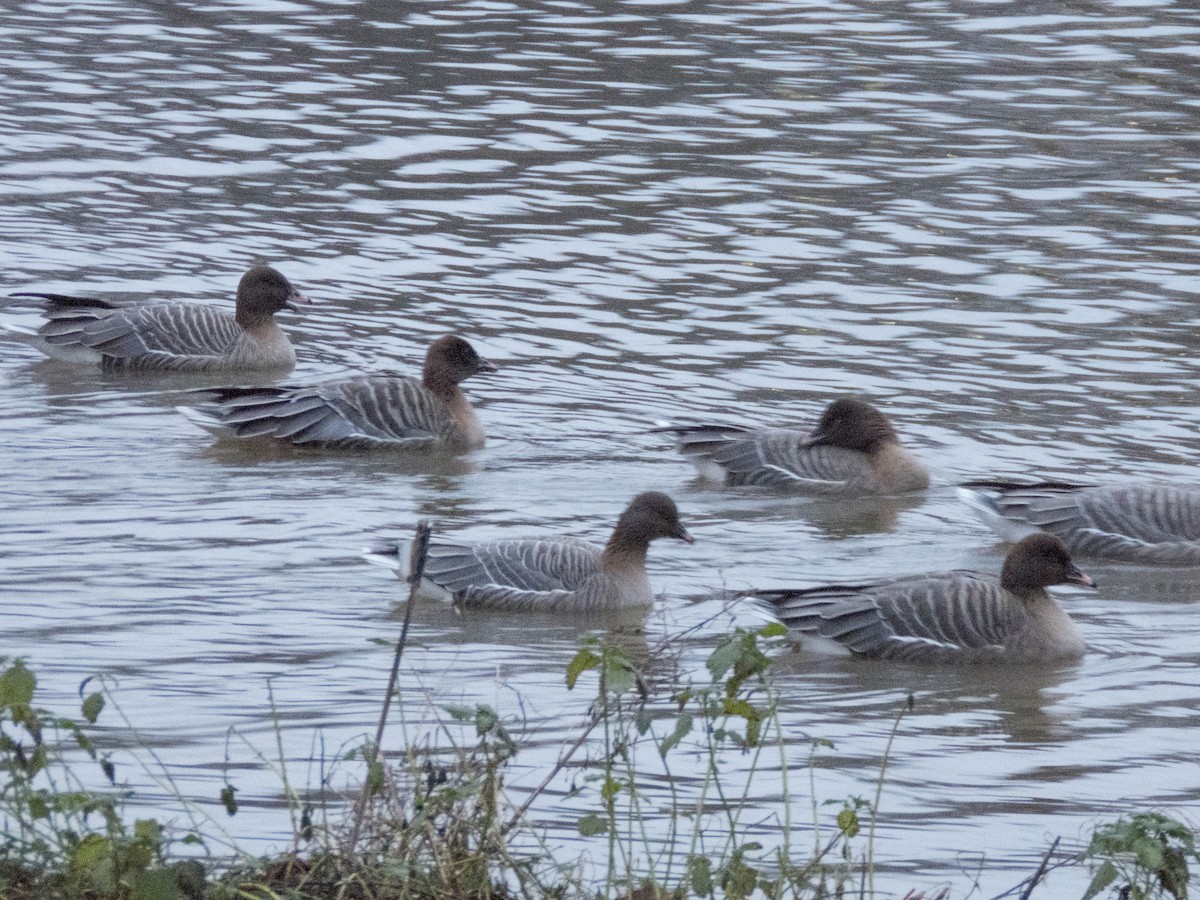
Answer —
685 428
1021 484
225 394
68 300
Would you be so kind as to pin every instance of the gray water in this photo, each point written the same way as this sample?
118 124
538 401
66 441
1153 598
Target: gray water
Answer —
983 216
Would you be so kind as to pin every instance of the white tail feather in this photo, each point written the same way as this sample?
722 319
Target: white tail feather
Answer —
203 420
983 504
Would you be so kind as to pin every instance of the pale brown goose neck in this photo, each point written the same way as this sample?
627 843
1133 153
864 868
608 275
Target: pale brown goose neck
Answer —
253 320
441 383
649 516
626 549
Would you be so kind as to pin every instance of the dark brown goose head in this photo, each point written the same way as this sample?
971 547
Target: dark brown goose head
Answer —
854 425
261 293
1038 561
449 361
648 516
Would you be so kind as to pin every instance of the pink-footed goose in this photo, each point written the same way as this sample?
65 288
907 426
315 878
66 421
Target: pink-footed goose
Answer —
171 336
361 412
1142 523
854 449
952 617
547 574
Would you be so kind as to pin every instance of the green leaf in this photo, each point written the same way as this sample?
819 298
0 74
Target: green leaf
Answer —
190 876
460 713
592 825
85 743
618 676
683 726
38 809
73 801
722 659
485 719
92 705
740 880
138 856
774 630
1149 853
1104 876
90 853
734 706
36 761
753 732
847 821
228 800
610 789
16 686
148 831
375 777
699 874
585 659
1173 875
23 714
157 884
643 720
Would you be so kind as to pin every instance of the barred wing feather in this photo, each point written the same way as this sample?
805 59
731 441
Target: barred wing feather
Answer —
1136 523
920 618
160 335
771 457
366 410
518 574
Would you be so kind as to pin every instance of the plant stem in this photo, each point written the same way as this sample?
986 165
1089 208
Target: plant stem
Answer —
887 750
420 549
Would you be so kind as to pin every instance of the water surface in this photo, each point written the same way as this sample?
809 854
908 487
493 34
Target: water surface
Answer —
984 217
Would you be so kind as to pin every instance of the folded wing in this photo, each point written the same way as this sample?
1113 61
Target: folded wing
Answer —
770 457
1137 523
958 614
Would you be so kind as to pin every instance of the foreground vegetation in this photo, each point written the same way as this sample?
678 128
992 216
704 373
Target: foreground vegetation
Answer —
437 821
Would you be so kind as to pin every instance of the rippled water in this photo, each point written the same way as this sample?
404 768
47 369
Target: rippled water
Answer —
984 216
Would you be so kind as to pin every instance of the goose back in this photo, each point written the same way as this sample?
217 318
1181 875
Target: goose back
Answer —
784 458
520 574
162 336
548 574
1135 523
961 613
956 616
365 411
168 336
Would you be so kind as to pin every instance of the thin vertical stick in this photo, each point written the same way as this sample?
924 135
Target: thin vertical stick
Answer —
1041 869
420 550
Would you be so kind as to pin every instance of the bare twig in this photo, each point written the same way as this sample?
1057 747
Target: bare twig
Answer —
1035 879
420 550
563 759
1041 870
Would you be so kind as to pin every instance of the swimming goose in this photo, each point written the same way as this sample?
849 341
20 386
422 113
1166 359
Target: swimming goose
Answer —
169 336
363 411
547 574
953 617
1144 523
854 449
